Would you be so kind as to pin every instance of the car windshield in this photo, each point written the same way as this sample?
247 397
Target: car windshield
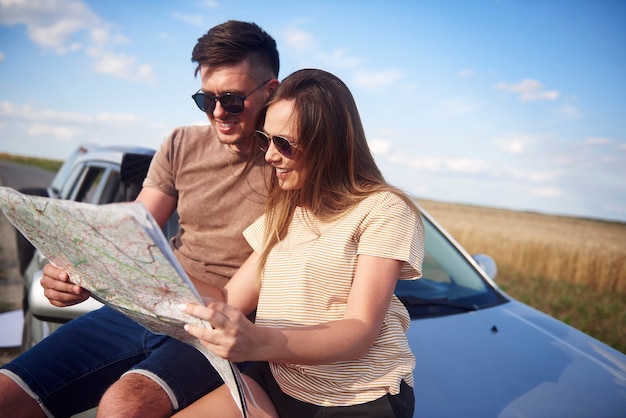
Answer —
450 284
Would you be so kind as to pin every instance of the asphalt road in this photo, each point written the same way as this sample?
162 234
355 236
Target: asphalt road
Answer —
20 176
17 176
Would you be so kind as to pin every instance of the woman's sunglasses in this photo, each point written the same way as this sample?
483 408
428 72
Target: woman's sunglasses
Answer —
232 103
283 145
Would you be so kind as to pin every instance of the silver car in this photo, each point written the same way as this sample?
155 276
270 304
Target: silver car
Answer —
480 353
92 174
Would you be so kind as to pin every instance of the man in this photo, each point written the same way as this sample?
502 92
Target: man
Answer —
214 176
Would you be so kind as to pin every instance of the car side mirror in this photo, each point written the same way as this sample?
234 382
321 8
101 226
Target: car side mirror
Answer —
487 264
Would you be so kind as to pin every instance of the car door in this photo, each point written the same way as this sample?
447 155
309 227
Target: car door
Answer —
94 182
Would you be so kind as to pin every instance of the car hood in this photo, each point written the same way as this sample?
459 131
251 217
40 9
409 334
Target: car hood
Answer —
513 361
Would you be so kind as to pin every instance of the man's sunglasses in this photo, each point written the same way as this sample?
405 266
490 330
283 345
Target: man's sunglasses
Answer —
283 145
232 103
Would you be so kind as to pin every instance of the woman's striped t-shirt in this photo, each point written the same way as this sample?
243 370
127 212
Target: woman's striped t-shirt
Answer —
307 280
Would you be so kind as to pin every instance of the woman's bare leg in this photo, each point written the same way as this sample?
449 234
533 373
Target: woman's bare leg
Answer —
220 404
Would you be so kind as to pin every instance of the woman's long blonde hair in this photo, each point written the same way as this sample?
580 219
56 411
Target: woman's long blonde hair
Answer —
338 167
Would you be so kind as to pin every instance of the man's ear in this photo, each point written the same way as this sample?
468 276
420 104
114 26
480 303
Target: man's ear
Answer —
271 86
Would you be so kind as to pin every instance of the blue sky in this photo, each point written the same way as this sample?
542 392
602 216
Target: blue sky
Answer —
517 104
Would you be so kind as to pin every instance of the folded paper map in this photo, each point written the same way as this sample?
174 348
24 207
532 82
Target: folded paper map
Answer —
118 253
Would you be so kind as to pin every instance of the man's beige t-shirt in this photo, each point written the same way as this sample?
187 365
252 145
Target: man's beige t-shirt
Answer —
219 195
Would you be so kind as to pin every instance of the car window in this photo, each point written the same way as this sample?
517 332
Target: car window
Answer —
60 180
113 191
449 284
445 264
72 180
90 184
95 183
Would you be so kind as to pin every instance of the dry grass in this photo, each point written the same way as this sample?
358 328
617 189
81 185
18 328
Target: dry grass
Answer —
46 164
573 269
580 251
595 312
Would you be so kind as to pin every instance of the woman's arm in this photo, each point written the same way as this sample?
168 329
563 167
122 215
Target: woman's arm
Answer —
349 338
242 290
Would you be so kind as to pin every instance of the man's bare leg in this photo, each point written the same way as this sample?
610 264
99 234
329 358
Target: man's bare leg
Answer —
14 402
135 395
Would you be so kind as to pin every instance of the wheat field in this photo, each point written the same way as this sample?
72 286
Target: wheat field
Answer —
581 251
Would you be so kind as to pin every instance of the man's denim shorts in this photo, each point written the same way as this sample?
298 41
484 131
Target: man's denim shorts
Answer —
69 370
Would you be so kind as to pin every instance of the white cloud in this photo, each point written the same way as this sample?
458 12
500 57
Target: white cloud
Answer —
103 35
109 63
532 176
608 159
7 108
116 118
299 40
55 36
567 111
340 58
456 165
466 73
40 117
305 47
515 143
465 165
597 141
514 146
529 90
60 132
122 66
49 23
617 209
377 80
65 26
379 146
1 56
549 192
565 160
459 106
195 20
213 4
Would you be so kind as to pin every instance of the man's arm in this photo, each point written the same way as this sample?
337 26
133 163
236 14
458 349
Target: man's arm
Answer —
160 205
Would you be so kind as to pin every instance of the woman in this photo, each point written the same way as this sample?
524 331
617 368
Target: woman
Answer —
329 335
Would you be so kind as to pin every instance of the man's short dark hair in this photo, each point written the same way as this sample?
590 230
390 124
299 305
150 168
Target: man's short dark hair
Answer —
233 42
